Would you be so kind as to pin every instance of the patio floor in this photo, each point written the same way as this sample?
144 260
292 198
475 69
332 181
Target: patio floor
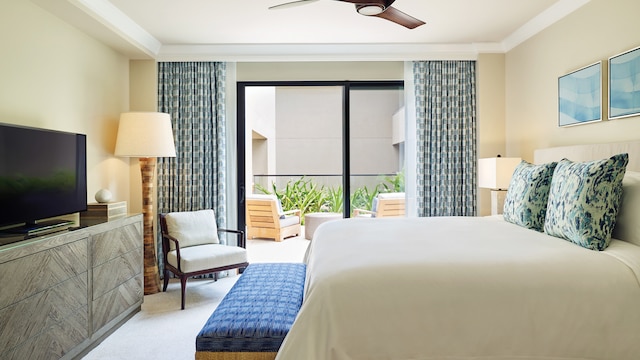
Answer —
268 250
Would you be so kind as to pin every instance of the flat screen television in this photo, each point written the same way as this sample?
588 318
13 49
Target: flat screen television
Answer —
43 174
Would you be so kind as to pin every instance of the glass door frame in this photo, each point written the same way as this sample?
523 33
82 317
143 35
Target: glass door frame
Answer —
347 86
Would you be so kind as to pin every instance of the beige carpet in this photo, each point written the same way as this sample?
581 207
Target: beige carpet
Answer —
163 331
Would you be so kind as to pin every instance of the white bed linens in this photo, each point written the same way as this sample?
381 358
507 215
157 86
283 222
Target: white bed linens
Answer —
463 288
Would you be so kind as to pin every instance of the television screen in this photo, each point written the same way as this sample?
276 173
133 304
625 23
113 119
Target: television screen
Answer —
43 174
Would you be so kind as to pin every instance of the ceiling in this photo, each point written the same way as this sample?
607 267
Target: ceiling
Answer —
246 30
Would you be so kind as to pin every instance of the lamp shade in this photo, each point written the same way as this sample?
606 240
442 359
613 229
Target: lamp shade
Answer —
145 134
495 173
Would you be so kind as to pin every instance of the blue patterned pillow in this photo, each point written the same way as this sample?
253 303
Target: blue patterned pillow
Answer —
526 200
584 200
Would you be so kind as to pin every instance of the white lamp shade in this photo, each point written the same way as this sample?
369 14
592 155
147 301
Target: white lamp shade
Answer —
495 173
145 134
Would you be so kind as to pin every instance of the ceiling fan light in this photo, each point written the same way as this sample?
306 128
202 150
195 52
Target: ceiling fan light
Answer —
370 10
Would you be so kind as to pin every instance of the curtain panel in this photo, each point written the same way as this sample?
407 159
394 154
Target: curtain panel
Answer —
445 99
193 93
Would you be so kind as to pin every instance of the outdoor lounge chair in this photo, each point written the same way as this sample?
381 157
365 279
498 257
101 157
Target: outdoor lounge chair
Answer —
384 205
265 218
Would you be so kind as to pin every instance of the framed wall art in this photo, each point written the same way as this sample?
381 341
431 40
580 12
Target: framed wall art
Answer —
580 96
624 84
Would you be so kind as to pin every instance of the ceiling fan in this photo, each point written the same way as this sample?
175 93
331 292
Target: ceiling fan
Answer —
378 8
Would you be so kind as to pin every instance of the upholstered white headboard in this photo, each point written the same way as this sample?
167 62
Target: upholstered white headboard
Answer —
591 152
628 221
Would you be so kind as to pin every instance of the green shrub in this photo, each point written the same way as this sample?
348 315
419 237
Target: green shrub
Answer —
309 197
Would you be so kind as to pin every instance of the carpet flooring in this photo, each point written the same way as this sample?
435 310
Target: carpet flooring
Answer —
162 331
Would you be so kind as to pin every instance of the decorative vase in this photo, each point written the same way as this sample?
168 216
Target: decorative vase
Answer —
103 196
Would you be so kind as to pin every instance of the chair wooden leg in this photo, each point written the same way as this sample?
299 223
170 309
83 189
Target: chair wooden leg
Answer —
183 288
166 280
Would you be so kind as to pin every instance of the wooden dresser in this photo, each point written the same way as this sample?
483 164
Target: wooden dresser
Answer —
62 293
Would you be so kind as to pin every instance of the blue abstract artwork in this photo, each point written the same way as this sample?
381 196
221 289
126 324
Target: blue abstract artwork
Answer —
580 96
624 84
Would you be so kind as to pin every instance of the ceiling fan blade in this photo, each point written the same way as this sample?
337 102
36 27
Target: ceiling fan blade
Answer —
398 17
369 2
291 4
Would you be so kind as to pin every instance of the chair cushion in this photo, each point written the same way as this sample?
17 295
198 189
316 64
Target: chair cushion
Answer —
269 197
393 195
192 228
209 256
584 200
289 220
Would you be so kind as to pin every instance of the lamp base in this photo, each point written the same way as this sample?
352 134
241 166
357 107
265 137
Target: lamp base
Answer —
151 274
497 201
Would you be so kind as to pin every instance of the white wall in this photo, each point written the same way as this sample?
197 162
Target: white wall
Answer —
596 31
54 76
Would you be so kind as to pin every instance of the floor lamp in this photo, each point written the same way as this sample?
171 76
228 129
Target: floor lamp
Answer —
495 174
146 135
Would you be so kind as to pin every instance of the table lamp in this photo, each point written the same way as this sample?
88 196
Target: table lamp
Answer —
495 174
146 135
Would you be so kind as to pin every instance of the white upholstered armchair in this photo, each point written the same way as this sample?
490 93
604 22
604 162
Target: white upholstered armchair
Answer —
191 247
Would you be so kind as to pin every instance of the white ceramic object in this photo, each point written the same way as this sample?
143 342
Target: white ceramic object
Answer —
103 196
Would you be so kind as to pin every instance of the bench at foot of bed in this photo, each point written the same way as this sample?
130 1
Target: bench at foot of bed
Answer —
254 317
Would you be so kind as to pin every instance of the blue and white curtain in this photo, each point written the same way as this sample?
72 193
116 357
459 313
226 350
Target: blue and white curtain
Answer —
445 93
193 93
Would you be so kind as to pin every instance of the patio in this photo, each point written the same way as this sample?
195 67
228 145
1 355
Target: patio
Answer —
267 250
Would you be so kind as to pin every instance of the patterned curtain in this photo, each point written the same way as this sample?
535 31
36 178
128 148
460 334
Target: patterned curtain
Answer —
446 137
193 93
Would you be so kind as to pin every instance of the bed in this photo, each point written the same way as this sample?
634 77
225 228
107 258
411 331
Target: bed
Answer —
473 287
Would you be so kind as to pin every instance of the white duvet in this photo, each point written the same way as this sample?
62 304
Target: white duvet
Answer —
463 288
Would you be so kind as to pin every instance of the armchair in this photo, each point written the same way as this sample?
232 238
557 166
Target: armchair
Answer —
266 219
191 247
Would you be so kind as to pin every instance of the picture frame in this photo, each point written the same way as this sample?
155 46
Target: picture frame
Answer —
580 96
624 84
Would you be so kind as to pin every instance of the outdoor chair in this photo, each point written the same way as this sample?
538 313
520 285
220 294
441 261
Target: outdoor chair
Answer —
191 247
266 219
384 205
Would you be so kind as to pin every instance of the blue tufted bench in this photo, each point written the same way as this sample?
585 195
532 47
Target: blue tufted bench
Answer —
255 316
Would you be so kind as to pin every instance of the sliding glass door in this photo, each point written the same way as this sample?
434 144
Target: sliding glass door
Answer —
376 151
320 145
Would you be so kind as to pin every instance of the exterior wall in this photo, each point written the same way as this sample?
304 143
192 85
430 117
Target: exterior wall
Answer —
56 77
596 31
260 140
309 130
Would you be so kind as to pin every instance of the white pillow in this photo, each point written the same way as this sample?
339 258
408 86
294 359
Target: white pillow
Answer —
192 228
627 226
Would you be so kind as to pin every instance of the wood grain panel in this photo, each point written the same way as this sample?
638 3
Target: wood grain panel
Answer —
54 342
26 276
114 272
116 301
27 318
111 244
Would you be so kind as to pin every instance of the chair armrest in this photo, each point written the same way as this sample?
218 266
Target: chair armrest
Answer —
358 212
239 233
177 245
174 240
295 212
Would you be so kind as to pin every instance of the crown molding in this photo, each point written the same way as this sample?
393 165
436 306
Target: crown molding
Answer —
318 52
105 22
545 19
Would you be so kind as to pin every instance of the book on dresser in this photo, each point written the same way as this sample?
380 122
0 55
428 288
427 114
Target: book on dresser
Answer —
105 211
